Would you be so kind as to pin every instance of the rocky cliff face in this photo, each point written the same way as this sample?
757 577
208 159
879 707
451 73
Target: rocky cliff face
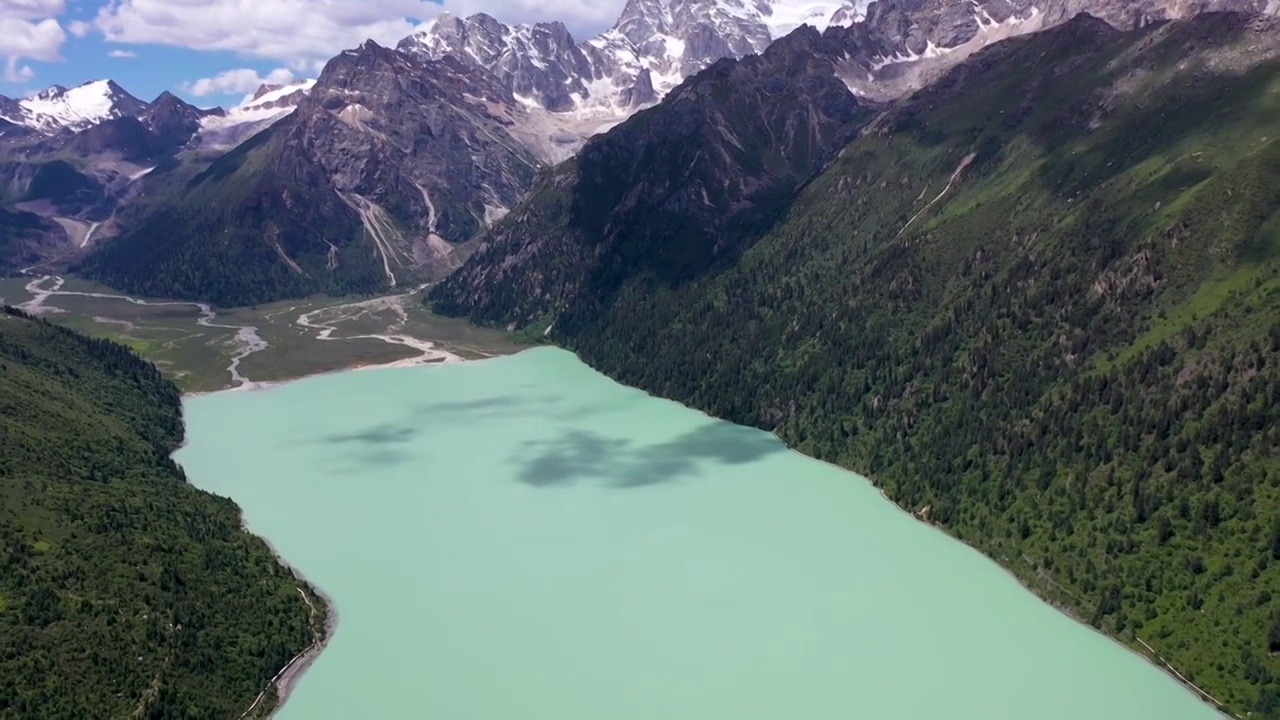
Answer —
676 191
431 143
901 46
173 121
388 162
421 149
652 47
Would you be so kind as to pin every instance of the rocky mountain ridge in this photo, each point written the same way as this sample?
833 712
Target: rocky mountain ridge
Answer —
225 130
58 108
428 144
651 48
386 163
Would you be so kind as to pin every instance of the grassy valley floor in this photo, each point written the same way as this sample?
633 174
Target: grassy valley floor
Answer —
272 343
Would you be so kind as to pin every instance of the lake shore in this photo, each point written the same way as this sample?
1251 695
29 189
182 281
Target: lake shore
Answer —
1036 589
393 364
287 678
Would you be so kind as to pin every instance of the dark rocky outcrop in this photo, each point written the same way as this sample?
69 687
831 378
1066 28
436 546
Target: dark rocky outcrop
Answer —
173 121
676 191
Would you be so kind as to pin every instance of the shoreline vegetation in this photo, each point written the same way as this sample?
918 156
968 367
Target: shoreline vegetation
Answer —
126 590
323 622
1041 591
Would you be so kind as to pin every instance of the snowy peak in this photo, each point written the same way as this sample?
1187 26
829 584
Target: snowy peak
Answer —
782 18
256 112
653 46
541 62
274 97
56 109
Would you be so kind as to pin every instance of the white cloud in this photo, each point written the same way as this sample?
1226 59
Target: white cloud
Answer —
15 73
79 28
288 30
31 9
122 54
297 32
240 80
23 38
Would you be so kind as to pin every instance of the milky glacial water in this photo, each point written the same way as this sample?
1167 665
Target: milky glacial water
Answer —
524 538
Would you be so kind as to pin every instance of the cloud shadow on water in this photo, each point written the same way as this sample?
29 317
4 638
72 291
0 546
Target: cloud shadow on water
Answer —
384 434
492 405
580 455
574 456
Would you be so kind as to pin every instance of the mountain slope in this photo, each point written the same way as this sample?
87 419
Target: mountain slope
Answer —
678 189
124 591
1039 303
78 158
429 145
24 239
362 188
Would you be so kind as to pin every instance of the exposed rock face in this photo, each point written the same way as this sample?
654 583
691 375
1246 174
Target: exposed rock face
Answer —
676 190
901 46
386 163
173 121
426 141
651 48
540 62
427 145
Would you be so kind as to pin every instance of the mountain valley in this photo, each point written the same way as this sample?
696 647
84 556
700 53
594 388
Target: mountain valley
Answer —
1017 262
339 185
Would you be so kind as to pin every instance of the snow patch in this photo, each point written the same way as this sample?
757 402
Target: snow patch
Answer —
76 108
252 115
786 17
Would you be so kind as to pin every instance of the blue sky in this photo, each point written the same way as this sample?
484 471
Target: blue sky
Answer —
213 52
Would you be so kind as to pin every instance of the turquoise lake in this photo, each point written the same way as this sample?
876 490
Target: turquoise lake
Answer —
524 538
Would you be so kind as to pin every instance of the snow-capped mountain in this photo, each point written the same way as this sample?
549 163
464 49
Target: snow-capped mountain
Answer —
653 46
255 113
57 108
424 146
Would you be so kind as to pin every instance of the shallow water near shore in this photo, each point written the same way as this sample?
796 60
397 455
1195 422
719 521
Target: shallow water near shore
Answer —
524 538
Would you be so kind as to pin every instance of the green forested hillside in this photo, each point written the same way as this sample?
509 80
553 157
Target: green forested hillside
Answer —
226 234
124 591
1038 303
